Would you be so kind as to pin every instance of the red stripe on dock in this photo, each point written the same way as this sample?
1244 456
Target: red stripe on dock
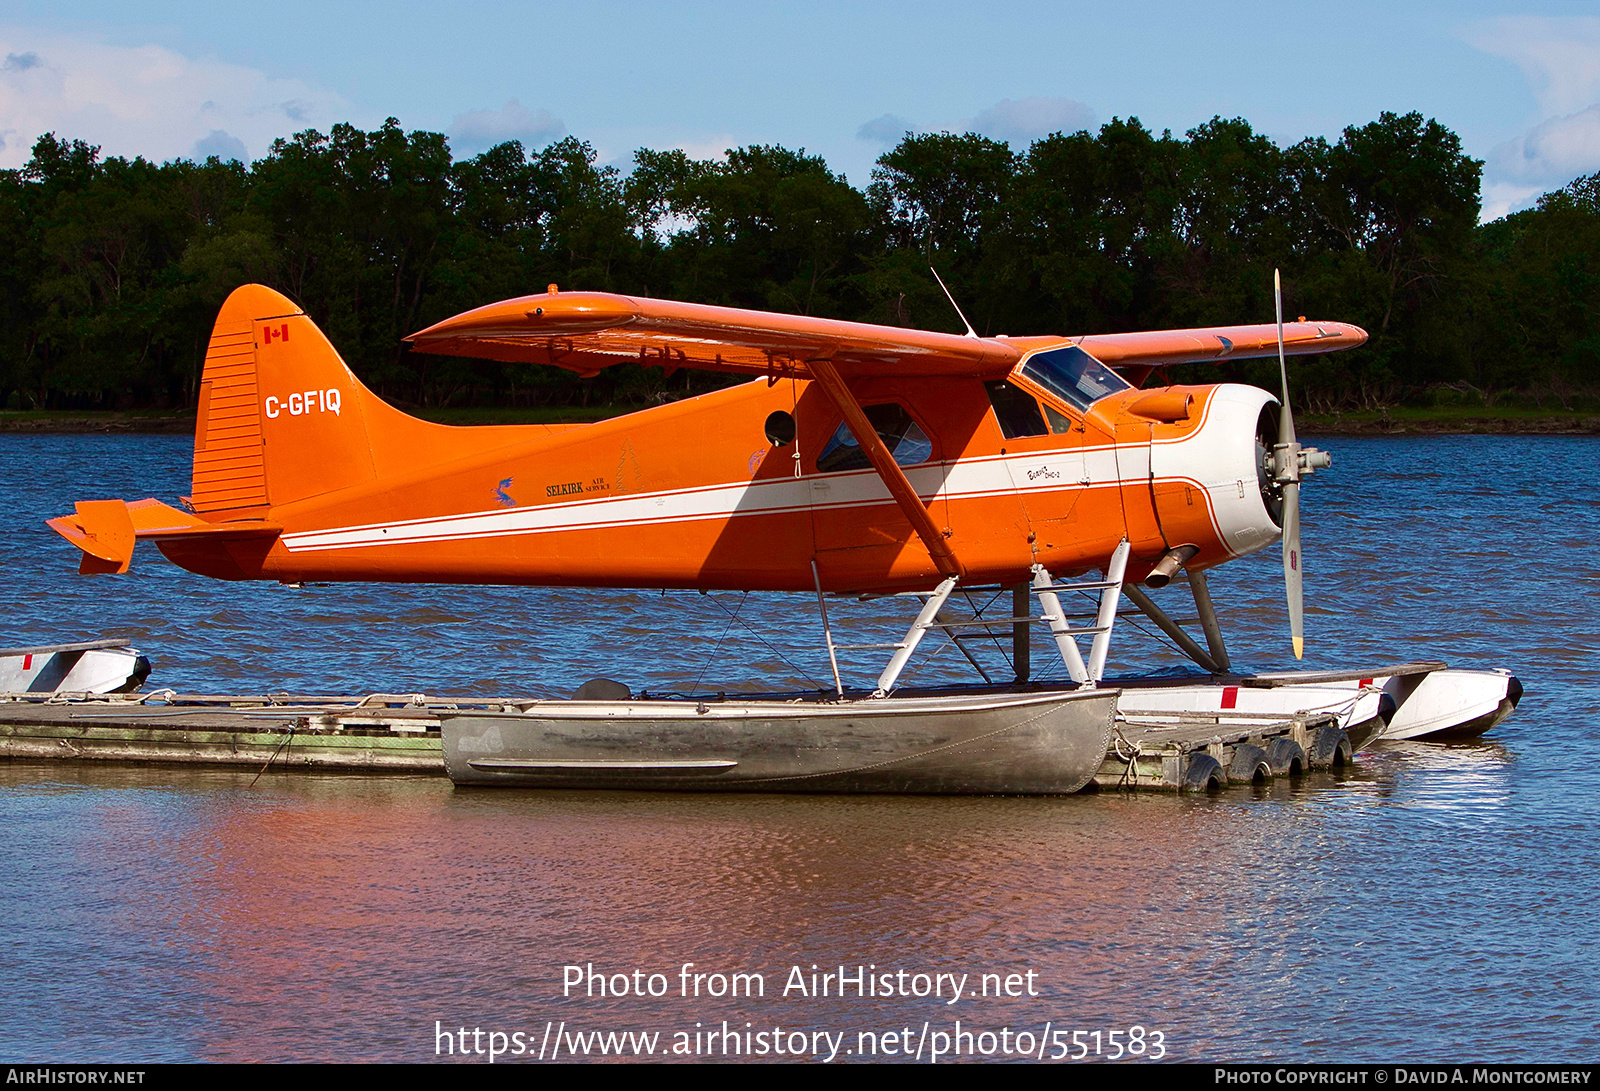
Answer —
1230 696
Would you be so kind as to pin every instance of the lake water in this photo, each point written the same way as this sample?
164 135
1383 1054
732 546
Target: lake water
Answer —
1437 903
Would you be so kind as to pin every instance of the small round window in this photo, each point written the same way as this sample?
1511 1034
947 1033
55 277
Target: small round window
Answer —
780 429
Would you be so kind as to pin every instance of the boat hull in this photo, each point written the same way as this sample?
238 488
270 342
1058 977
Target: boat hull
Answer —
1445 704
1428 700
1025 744
96 666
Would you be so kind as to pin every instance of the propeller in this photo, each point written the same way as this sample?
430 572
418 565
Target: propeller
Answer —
1290 462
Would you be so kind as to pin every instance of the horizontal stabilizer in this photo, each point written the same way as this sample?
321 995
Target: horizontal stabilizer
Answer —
103 530
106 530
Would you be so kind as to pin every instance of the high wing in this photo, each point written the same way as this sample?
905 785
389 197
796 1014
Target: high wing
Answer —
1214 344
586 331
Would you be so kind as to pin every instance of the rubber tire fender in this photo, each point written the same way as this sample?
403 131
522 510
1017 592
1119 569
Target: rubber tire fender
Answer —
1285 757
1249 764
1330 747
1203 773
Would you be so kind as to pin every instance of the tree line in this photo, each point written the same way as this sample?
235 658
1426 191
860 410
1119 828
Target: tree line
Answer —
111 269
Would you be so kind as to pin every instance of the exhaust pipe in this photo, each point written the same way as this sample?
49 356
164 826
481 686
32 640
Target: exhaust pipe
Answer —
1168 566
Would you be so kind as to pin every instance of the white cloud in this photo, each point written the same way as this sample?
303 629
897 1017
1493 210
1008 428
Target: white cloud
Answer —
1553 152
1020 122
615 147
222 144
1503 198
1560 59
479 130
885 131
1559 56
145 100
711 149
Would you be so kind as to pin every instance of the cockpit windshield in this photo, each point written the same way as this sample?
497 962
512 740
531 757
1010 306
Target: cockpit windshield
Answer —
1073 375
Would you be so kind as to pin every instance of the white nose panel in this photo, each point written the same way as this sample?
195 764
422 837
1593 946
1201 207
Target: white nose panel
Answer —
1221 457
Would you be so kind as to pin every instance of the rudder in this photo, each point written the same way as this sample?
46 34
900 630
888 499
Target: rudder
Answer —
229 462
281 418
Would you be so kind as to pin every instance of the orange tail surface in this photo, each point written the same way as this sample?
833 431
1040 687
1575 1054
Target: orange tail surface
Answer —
281 421
268 361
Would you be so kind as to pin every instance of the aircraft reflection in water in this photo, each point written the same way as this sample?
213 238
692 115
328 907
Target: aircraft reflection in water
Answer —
861 458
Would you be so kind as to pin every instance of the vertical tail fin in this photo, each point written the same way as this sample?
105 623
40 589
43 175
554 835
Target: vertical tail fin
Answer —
230 474
281 418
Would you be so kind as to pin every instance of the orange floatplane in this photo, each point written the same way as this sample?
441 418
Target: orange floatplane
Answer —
860 457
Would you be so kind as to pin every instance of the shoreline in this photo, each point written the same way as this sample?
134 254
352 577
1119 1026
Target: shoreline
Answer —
1431 423
1421 422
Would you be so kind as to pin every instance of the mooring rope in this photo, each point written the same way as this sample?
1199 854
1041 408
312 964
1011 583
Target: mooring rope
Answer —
274 756
1130 775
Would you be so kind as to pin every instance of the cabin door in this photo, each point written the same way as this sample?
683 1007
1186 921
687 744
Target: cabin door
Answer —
851 507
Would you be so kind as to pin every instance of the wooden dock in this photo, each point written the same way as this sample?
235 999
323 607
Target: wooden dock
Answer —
380 733
400 734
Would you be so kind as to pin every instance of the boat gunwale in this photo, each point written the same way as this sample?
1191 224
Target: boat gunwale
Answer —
725 707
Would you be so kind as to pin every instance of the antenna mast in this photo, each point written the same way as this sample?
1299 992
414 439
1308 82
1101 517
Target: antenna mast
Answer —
970 331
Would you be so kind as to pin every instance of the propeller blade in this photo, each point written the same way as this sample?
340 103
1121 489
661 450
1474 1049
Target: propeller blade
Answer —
1285 416
1293 581
1288 467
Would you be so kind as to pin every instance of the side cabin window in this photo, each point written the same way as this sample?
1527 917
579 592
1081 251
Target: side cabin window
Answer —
1016 410
1060 423
1073 376
903 436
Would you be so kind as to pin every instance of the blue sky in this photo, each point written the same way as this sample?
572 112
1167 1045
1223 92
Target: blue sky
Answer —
1520 82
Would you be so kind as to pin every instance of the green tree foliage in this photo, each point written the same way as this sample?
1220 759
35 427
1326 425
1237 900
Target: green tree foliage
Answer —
1534 303
941 201
1098 219
1236 215
96 245
1394 205
767 228
111 270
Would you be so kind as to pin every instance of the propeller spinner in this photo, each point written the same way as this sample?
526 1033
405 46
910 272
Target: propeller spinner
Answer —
1290 462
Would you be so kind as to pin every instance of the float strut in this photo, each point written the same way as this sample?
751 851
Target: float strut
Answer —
1021 632
1107 617
1110 589
1208 620
926 620
1065 644
827 632
1172 629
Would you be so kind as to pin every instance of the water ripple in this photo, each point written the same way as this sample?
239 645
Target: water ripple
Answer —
1434 903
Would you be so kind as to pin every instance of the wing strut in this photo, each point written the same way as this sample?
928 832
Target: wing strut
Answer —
872 445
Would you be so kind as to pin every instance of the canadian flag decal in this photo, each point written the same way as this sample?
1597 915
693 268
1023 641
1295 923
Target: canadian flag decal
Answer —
281 333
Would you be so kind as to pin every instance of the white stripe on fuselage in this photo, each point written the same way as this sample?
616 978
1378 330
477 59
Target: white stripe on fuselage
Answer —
1037 472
